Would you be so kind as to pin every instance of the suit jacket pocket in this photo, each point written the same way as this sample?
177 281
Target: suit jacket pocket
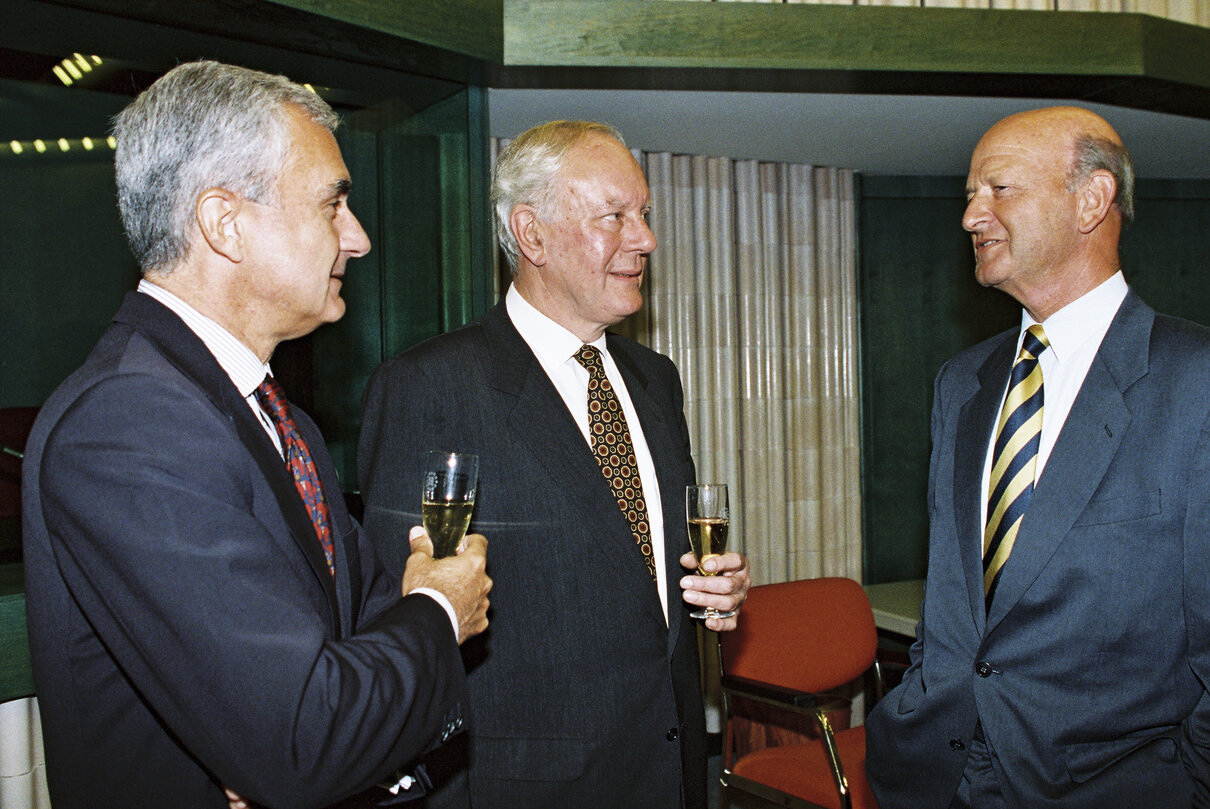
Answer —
911 691
528 759
1135 506
1089 759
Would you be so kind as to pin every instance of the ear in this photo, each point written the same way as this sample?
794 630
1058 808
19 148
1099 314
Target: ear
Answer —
1095 200
527 230
217 214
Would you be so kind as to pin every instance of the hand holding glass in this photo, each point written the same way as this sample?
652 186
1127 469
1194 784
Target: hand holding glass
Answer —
447 498
708 518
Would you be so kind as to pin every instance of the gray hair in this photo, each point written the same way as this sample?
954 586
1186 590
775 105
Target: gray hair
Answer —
525 171
1100 154
201 125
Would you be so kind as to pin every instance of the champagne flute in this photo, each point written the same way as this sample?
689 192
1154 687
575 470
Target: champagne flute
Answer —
708 518
447 498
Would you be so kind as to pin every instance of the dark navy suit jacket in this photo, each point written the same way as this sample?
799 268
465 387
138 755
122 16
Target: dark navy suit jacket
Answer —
1088 675
185 631
581 696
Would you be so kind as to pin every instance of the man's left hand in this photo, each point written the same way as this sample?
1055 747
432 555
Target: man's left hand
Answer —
725 590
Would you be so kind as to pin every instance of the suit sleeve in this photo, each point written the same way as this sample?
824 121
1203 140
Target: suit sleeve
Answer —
161 528
1197 617
937 435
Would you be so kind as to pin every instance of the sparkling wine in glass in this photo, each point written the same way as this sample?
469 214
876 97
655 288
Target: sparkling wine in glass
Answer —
708 519
447 498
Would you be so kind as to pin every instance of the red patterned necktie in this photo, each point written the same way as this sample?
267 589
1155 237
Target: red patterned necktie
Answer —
614 451
298 458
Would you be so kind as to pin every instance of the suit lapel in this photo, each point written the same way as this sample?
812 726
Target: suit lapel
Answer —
976 420
1087 444
189 355
556 445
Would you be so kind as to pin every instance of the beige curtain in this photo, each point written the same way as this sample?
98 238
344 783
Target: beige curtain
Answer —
22 766
752 292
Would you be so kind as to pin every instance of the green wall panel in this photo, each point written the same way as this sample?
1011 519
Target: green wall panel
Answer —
66 267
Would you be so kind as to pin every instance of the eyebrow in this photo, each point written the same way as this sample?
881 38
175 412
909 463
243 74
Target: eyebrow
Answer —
621 203
342 187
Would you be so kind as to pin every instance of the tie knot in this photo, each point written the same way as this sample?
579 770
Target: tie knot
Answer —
272 398
590 358
1035 341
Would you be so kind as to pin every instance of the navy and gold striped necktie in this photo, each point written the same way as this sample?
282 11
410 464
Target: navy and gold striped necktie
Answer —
1014 458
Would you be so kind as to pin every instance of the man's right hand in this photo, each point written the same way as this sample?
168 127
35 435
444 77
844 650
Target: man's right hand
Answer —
462 579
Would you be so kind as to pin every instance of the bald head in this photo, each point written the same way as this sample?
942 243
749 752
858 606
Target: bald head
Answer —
1048 192
1085 139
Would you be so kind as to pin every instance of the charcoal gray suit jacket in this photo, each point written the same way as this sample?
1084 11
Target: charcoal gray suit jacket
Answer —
580 694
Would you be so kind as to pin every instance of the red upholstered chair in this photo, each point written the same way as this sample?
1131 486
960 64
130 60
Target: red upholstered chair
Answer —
797 642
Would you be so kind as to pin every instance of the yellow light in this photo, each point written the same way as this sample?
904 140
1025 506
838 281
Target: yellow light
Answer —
62 74
96 60
39 146
112 142
64 145
71 68
82 62
15 145
87 143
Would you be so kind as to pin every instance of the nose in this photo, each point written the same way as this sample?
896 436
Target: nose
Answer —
353 238
642 239
976 214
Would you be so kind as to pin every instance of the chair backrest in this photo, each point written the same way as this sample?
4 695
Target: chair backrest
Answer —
810 635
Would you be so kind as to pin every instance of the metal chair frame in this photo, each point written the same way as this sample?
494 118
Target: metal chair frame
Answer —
811 704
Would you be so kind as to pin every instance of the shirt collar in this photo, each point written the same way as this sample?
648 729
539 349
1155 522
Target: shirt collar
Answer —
241 364
1086 317
551 343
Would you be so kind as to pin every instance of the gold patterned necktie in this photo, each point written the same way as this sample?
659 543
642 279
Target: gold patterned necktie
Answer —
614 451
1014 458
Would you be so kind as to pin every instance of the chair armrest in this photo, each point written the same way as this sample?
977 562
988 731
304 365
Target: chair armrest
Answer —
772 694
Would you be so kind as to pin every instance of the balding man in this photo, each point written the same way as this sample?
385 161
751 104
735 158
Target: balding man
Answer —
1064 639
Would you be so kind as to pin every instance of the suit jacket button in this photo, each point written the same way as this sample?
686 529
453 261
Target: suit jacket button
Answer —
672 735
983 668
956 744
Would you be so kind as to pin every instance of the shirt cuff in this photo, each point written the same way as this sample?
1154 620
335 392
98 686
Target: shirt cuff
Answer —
440 598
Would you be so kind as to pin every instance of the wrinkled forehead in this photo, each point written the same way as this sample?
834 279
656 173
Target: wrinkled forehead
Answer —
1010 146
601 169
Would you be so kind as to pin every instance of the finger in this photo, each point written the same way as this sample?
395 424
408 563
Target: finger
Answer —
722 585
475 543
722 624
729 561
689 561
420 541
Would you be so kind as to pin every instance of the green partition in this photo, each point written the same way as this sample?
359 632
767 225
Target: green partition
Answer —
419 177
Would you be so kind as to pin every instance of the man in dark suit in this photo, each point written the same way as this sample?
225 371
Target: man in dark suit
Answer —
585 692
193 623
1064 641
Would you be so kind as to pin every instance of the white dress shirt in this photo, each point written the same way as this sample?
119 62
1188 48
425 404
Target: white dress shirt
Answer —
247 372
555 348
1074 333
